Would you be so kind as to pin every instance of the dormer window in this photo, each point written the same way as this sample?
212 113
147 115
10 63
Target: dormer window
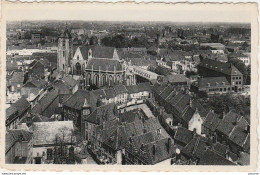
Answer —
235 72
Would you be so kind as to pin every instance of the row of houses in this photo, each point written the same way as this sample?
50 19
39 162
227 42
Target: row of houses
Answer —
126 138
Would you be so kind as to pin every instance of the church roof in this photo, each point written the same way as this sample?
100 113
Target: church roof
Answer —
104 65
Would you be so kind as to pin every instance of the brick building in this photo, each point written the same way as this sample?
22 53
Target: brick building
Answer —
212 68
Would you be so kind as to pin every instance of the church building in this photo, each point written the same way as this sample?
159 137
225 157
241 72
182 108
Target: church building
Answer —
98 65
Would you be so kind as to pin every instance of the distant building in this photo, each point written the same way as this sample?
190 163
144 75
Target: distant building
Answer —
243 57
36 37
212 68
16 82
212 86
217 46
39 69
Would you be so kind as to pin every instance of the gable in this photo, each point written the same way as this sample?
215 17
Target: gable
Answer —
115 55
78 55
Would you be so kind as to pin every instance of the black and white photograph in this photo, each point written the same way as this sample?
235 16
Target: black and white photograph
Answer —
137 85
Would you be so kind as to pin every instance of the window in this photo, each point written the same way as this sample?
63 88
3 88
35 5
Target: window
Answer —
239 77
233 78
225 89
49 154
18 85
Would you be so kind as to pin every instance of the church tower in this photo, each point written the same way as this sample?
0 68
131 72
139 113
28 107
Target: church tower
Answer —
65 51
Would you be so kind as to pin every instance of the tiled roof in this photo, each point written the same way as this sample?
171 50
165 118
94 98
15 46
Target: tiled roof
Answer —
99 93
239 136
212 121
37 83
183 135
45 102
225 68
13 136
62 87
231 122
35 118
160 153
209 157
102 51
152 124
10 112
84 51
101 114
189 112
11 66
16 135
129 116
141 62
225 127
69 81
166 92
195 147
120 89
18 77
212 81
220 149
77 99
45 133
116 139
177 78
21 105
110 93
138 88
104 65
197 105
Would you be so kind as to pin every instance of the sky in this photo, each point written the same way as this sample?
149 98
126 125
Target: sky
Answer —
130 12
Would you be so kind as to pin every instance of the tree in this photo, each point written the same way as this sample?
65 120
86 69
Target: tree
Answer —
227 102
189 73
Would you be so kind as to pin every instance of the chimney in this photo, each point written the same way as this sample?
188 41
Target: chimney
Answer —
247 129
194 133
154 149
223 115
190 102
159 131
169 145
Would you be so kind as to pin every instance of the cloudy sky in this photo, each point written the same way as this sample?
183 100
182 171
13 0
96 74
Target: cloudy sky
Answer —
130 12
